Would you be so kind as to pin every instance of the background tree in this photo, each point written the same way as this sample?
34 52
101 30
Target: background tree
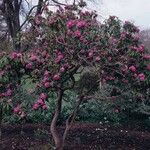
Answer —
15 14
145 38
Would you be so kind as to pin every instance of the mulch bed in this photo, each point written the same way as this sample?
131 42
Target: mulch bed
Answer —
83 136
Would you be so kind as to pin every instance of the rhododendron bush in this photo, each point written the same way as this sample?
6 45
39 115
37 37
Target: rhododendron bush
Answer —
61 45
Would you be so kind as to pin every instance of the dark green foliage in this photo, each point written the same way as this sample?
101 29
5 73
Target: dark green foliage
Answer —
89 80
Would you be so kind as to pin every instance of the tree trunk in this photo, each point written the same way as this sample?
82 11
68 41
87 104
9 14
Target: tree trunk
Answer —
11 12
57 137
71 118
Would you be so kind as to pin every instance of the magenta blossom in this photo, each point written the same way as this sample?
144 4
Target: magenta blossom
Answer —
141 76
44 107
43 96
15 55
77 33
40 102
62 69
146 56
35 106
9 92
81 24
29 66
23 114
141 49
56 77
46 73
148 67
70 23
33 58
17 109
132 68
47 84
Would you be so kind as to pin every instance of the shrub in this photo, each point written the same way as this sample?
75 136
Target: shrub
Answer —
65 41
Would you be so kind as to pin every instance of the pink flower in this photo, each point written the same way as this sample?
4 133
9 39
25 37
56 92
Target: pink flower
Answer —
19 55
81 24
134 48
46 73
56 77
47 84
9 92
33 58
116 110
14 55
70 23
29 66
90 54
62 69
141 48
43 96
148 67
1 72
132 68
35 106
45 79
77 33
44 107
141 76
47 56
40 102
123 34
17 109
146 56
23 114
44 54
109 58
135 75
59 58
69 33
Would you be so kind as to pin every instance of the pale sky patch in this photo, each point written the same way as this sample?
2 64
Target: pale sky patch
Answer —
137 11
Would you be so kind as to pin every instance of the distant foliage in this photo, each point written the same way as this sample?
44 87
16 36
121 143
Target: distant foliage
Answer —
145 38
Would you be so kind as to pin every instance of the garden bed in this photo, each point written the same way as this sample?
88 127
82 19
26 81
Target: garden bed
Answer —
83 136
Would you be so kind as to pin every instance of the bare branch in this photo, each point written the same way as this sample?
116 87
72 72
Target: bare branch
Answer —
59 3
28 15
39 7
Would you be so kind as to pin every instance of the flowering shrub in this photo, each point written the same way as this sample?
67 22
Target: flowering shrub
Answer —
63 43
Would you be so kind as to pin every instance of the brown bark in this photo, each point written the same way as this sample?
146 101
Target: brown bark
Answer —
71 118
11 12
58 140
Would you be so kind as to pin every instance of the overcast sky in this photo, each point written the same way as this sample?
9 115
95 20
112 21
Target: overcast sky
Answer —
137 11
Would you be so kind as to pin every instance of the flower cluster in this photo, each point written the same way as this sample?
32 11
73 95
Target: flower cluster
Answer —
65 43
40 102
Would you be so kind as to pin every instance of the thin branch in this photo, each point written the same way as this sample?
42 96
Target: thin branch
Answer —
28 15
39 7
71 118
20 3
59 3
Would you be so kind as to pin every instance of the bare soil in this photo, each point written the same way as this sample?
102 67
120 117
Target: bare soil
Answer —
83 136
